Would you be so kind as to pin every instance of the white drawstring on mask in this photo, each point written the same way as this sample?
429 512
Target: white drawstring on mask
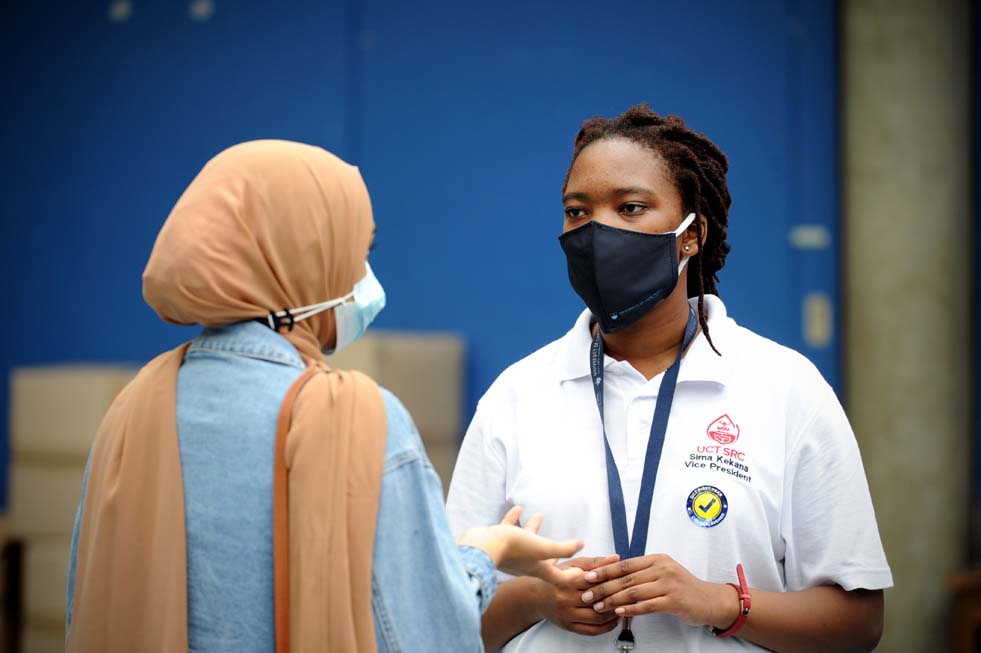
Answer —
288 318
368 299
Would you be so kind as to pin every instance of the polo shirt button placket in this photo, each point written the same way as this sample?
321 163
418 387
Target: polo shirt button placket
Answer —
636 433
640 427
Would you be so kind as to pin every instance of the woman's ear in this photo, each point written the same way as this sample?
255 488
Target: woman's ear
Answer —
690 241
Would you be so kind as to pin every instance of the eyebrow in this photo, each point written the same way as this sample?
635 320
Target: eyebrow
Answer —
635 190
575 196
630 190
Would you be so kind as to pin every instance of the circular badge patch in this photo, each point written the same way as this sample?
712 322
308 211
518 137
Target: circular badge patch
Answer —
707 506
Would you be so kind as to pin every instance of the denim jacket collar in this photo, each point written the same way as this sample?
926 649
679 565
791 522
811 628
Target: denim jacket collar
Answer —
249 339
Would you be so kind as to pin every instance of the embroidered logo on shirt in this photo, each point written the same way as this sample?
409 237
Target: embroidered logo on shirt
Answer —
707 506
723 430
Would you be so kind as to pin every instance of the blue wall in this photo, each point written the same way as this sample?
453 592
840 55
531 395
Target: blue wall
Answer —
462 119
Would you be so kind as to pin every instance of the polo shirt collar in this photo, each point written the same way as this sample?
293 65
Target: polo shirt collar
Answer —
699 364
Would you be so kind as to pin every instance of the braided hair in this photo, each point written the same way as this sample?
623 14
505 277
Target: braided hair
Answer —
699 169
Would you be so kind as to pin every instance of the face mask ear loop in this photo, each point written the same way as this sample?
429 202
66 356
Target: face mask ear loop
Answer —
303 309
681 266
288 318
320 308
677 233
684 225
313 309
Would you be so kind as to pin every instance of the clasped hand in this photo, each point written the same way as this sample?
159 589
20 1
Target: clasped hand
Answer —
589 595
657 583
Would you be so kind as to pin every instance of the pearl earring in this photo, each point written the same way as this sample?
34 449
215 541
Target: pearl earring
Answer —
687 247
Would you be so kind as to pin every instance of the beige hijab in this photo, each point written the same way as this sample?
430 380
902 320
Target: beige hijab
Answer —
265 226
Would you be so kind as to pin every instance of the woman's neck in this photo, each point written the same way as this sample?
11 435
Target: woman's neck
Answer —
651 344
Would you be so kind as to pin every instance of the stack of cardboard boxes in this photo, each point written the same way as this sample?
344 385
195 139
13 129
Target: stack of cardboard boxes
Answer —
426 372
54 414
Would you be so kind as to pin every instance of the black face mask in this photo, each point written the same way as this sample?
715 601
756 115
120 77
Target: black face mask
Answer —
622 274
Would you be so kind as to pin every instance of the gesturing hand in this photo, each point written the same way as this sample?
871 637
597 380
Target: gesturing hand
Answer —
521 551
656 583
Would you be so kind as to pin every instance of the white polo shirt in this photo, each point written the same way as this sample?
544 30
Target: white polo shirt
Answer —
759 467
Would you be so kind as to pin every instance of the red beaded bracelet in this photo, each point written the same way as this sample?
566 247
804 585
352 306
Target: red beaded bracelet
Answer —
745 603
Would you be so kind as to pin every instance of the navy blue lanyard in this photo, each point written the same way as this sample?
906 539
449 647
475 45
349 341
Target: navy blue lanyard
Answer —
637 544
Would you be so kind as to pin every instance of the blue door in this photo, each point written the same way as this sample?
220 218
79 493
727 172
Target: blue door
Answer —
461 116
469 117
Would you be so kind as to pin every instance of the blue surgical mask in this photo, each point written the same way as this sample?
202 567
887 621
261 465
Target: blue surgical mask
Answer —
352 313
353 317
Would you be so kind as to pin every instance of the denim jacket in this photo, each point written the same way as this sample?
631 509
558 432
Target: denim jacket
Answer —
427 593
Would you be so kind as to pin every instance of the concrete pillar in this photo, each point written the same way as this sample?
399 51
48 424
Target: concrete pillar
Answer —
907 232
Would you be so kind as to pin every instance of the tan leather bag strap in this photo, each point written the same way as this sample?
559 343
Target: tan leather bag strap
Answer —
281 543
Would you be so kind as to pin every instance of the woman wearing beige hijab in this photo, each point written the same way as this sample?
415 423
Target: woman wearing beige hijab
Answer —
240 495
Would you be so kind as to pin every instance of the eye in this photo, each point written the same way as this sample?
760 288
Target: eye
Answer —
632 208
574 213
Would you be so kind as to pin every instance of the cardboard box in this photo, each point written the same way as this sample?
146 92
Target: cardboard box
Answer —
425 371
44 498
57 409
45 579
42 640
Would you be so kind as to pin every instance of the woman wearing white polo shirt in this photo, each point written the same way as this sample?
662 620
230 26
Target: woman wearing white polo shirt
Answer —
716 464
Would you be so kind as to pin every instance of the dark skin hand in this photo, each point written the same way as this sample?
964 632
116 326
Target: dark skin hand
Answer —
623 184
530 600
814 620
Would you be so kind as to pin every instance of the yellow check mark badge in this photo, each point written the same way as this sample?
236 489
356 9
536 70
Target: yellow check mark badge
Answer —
707 505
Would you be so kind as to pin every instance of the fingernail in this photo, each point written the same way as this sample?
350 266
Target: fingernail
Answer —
598 606
590 575
620 611
587 597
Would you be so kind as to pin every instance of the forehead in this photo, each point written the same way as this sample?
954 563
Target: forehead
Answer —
618 161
